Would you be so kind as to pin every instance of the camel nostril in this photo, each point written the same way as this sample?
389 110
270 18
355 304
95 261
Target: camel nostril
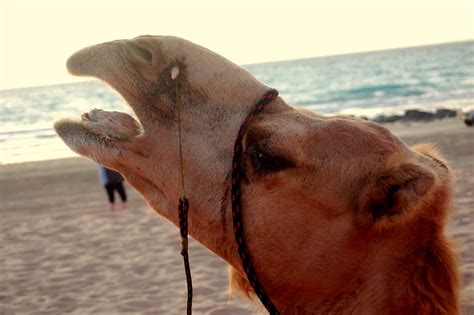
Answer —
140 53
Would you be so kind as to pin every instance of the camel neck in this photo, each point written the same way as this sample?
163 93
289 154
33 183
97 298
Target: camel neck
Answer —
432 282
421 282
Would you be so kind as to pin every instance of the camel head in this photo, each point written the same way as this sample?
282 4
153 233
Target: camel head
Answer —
327 201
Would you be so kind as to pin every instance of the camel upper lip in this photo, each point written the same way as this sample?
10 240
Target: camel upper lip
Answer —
92 60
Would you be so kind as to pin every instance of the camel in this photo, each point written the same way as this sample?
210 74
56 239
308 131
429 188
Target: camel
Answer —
340 216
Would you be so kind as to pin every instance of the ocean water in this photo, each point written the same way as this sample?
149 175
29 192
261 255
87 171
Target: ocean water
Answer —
369 84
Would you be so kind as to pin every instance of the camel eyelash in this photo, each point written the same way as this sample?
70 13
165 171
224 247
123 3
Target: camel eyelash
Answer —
264 161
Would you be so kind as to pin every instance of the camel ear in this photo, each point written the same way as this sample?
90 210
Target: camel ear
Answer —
395 195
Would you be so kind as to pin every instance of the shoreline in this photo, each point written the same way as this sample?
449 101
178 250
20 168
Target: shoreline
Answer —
64 252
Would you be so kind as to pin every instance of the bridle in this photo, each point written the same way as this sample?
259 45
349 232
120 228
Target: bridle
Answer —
236 204
237 208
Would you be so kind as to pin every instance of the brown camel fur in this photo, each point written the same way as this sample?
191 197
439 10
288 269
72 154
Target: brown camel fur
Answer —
341 217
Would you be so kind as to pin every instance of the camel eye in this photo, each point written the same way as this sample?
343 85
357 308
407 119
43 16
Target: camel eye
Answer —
264 161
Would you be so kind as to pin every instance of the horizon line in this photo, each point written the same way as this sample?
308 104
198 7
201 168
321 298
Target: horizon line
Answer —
92 79
462 41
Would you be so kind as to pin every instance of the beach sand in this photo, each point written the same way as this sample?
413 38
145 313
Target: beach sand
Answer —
62 251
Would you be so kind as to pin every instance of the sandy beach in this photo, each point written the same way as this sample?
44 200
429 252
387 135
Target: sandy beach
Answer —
62 251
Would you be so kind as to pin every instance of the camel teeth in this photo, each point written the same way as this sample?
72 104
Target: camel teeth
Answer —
85 117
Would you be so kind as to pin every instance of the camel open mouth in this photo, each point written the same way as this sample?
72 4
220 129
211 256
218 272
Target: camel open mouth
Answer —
99 126
100 131
106 63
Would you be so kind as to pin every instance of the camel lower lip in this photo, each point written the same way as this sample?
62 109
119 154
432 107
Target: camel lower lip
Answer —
111 125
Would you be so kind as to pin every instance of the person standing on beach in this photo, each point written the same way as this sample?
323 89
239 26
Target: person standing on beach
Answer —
469 119
112 181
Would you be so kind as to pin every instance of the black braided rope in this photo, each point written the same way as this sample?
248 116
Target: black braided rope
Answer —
237 209
183 229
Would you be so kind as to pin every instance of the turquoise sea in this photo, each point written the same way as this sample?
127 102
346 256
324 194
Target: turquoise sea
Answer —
369 84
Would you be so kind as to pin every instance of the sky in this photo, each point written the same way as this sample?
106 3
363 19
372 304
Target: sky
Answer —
37 37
